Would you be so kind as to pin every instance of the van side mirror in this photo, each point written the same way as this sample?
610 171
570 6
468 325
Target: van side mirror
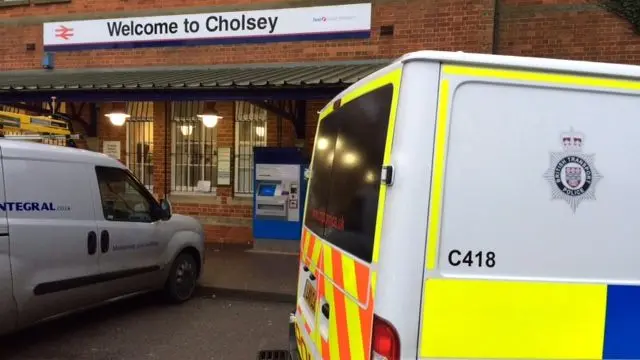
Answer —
165 205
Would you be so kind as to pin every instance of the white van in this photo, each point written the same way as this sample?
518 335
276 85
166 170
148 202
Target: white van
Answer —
471 206
77 229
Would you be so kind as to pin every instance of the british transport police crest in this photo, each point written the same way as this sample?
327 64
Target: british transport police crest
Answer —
572 174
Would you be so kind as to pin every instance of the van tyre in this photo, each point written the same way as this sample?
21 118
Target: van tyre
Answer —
181 283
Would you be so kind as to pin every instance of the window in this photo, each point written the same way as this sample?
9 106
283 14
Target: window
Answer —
194 156
251 131
345 173
139 146
123 198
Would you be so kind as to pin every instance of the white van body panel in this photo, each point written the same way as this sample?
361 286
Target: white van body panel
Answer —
521 124
27 150
183 237
45 264
8 308
38 264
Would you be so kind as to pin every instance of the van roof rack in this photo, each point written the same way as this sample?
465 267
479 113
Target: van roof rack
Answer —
16 126
39 137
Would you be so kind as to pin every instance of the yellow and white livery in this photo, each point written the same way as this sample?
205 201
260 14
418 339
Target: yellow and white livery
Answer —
469 206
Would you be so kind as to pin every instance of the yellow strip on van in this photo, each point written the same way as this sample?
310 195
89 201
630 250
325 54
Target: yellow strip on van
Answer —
437 181
490 319
571 80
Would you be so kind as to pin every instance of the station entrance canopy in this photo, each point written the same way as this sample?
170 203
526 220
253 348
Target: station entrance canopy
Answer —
302 81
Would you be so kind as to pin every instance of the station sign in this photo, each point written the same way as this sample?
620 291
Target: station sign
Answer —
352 21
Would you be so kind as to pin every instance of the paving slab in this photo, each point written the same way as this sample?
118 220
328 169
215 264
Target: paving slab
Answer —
250 274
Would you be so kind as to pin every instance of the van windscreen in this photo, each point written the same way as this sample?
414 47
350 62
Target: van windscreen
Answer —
345 180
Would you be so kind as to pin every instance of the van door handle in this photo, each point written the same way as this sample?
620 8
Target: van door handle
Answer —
104 241
92 243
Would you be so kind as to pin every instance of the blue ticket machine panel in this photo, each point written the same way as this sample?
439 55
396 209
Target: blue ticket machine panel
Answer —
279 187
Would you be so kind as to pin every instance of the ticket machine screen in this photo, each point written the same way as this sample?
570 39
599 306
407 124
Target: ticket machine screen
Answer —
267 190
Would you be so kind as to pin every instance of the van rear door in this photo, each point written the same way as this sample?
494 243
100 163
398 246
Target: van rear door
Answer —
7 304
342 218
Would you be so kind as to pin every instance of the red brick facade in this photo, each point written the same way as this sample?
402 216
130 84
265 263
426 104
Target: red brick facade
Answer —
575 29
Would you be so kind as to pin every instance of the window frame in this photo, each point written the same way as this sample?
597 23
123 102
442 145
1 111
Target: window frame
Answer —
184 190
238 143
128 130
153 203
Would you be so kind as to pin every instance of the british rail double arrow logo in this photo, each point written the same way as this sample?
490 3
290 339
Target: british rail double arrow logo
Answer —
64 32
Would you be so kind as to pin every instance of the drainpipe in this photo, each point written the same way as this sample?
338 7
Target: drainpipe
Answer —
167 129
496 27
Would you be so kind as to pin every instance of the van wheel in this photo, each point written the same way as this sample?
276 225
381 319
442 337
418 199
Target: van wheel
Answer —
181 283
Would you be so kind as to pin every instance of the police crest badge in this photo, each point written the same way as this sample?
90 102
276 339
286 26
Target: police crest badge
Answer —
572 174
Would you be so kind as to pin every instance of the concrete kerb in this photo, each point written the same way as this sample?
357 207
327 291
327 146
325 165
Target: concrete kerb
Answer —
246 295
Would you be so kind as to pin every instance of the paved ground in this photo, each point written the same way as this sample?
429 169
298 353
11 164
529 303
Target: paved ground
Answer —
269 273
144 328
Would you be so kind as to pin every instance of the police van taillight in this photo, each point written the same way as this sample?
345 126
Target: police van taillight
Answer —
385 343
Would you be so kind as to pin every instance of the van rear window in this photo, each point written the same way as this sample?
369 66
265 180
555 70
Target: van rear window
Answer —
347 161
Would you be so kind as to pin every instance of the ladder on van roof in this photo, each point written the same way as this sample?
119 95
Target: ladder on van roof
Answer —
16 126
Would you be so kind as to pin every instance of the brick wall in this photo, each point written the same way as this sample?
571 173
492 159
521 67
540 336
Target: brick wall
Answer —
419 24
565 29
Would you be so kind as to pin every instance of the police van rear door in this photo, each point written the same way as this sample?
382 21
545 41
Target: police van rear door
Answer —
343 220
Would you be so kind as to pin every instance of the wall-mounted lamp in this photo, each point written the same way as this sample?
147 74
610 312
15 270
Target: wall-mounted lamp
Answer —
210 115
118 114
186 130
260 131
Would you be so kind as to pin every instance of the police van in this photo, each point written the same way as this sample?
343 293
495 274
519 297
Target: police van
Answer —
77 230
472 206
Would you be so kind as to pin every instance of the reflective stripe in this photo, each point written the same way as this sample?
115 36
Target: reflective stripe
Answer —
310 248
315 255
508 319
540 77
306 235
330 292
394 78
321 343
302 319
622 323
326 354
374 284
437 180
353 308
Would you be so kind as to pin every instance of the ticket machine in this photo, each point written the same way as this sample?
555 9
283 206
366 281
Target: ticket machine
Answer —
279 193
